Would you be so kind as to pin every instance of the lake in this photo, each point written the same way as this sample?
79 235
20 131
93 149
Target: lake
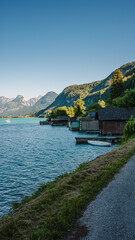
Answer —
32 154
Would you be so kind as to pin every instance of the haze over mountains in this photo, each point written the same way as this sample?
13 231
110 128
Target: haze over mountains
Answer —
19 107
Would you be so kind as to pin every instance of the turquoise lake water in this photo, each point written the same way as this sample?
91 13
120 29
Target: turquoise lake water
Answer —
32 154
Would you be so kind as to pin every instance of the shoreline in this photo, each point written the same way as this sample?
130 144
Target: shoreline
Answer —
55 206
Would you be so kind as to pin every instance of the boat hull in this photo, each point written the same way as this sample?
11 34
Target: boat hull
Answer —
99 143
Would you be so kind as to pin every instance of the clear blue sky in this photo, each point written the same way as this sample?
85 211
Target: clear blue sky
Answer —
50 44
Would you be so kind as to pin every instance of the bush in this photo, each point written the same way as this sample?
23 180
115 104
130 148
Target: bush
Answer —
129 131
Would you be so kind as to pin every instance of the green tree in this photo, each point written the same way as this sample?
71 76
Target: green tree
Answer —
129 131
61 111
102 103
71 112
128 100
95 106
117 87
79 107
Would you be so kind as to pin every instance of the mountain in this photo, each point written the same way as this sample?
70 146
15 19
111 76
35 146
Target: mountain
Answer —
19 107
32 101
43 102
12 105
46 99
91 92
4 100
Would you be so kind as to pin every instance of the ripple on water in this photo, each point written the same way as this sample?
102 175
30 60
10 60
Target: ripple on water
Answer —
32 154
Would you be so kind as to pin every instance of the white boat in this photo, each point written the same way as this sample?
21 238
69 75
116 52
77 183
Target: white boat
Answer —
100 143
7 120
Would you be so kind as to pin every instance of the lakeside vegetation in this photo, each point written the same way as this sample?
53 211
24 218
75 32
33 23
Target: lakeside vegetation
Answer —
129 131
91 93
79 109
76 111
127 100
54 207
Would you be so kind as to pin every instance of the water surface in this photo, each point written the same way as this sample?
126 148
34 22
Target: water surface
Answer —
32 154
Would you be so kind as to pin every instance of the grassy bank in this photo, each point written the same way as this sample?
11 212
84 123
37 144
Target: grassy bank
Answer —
50 211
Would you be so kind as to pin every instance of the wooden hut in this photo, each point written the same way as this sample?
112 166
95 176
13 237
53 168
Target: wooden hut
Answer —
112 120
60 121
89 123
74 124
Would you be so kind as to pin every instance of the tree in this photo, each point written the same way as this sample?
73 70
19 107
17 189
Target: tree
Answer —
129 130
101 103
117 87
61 111
95 106
79 107
128 100
71 112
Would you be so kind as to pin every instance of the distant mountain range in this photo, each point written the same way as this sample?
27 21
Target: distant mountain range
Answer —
91 92
19 107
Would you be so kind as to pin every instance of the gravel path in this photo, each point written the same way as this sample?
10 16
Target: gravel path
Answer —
111 216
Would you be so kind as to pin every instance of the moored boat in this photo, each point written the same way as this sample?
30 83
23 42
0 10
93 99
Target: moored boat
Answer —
100 143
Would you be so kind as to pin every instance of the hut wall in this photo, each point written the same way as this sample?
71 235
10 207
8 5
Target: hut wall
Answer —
74 126
112 127
89 125
59 123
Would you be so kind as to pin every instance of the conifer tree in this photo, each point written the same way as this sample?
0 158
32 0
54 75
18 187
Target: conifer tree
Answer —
117 87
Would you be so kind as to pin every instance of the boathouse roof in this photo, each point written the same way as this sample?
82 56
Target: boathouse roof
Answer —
92 114
122 114
73 119
60 118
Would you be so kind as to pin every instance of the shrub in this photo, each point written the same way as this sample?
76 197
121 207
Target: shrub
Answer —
129 131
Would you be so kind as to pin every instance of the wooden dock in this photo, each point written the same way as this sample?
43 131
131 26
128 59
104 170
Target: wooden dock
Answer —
84 140
93 132
45 122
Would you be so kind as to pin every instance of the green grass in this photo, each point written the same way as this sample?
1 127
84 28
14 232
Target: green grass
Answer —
54 207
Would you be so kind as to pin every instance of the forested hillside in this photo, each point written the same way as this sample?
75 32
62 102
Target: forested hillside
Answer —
91 92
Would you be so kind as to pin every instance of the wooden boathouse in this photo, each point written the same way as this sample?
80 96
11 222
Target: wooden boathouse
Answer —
60 121
112 120
89 125
74 124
